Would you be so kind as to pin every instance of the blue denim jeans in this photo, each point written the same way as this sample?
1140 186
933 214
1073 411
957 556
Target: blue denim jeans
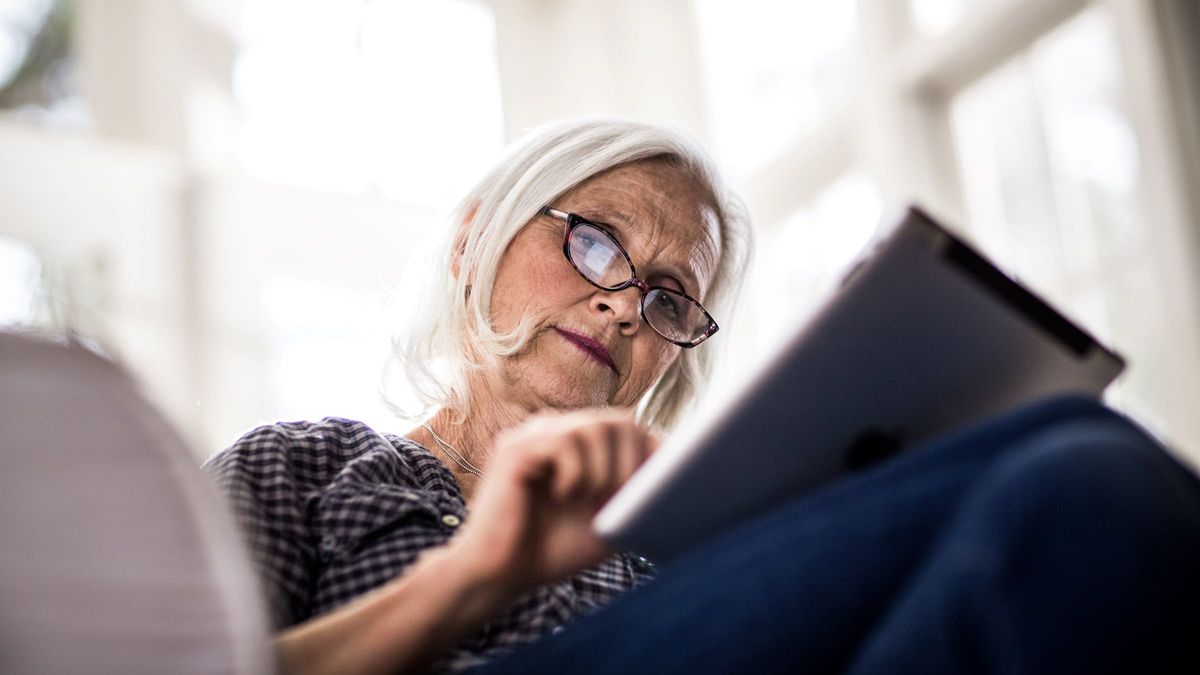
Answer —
1056 539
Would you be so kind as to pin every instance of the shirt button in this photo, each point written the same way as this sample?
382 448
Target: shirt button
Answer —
451 520
328 543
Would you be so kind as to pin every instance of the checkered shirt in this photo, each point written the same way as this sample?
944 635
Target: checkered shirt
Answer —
333 509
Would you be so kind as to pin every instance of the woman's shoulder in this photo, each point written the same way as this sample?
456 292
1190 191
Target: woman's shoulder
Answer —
316 454
303 491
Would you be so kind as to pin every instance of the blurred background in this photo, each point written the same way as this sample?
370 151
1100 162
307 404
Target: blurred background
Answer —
230 193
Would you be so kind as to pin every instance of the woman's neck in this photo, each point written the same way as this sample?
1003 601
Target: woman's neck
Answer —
472 438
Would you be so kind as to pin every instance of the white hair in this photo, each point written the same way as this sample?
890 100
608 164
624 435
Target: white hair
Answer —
452 336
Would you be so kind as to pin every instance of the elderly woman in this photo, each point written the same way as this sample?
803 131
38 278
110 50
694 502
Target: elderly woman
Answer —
576 294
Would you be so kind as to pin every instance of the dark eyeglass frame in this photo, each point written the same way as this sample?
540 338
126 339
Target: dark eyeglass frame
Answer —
571 221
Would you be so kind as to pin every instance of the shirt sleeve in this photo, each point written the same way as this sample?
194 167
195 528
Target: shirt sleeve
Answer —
267 486
615 576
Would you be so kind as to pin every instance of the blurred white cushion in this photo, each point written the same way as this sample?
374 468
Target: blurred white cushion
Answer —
116 554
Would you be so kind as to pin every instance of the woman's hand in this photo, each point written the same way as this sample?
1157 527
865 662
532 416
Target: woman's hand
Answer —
531 521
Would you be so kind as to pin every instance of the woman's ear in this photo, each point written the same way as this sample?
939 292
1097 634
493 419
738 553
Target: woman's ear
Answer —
460 239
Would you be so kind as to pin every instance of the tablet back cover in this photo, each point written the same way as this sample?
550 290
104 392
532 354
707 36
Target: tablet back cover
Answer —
923 336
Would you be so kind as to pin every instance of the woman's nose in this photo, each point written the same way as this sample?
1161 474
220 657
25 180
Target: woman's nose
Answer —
620 307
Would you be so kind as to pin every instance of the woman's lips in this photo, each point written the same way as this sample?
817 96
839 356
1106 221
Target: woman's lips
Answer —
590 347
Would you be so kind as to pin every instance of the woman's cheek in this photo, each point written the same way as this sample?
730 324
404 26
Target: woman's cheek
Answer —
654 363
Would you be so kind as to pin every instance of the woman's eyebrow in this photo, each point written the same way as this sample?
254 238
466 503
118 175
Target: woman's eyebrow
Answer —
606 216
690 282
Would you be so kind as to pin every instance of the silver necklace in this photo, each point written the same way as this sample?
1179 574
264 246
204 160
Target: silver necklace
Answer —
454 454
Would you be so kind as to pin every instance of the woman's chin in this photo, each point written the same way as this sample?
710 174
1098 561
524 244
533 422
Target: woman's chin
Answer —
565 381
573 391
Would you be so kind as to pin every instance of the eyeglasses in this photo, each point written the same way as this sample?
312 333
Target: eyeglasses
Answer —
602 261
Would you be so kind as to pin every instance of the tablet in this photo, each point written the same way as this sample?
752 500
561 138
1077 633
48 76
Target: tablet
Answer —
923 335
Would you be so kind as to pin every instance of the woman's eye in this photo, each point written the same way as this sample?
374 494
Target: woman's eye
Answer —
669 304
589 238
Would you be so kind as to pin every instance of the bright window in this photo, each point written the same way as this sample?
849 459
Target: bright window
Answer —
937 16
773 71
39 78
340 95
800 263
812 250
1050 170
328 347
21 291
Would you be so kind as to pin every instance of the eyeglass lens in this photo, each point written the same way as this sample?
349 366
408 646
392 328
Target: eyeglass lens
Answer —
599 259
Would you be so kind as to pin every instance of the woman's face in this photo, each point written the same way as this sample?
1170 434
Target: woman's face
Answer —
667 224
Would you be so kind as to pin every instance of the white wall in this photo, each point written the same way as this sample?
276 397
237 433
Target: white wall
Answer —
620 57
108 220
251 234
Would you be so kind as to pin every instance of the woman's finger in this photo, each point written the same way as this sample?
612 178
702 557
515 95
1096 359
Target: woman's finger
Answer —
633 452
624 437
602 438
535 467
570 469
649 445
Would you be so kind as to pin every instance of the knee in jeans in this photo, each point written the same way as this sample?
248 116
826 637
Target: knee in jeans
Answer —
1095 484
1094 516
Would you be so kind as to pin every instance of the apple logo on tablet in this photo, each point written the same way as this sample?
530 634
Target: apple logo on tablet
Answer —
872 447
